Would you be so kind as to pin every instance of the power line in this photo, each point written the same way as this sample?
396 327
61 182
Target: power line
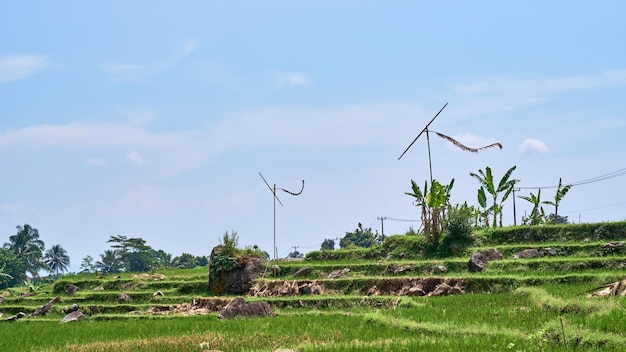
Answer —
394 219
604 177
596 208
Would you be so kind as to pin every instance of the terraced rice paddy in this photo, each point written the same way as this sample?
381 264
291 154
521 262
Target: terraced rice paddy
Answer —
535 304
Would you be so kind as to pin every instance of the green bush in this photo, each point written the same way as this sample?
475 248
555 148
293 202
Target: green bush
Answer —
608 231
458 229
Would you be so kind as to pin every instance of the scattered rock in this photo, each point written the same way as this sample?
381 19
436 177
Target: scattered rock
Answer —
45 309
28 294
479 260
527 253
73 308
444 289
416 291
305 271
455 247
240 308
133 285
338 273
613 247
17 316
125 297
71 289
73 316
99 288
402 269
440 269
614 289
146 276
551 251
1 299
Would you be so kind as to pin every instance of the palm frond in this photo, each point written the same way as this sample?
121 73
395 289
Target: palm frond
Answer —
464 147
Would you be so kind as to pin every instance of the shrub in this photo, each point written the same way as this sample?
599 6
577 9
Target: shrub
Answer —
458 228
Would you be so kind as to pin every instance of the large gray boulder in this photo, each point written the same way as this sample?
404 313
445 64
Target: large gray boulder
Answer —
45 309
73 316
478 261
238 280
239 308
527 253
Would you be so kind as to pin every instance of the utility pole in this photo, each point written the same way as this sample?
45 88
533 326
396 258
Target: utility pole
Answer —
273 190
514 214
382 225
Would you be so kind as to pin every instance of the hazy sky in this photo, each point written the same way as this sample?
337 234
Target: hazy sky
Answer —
149 119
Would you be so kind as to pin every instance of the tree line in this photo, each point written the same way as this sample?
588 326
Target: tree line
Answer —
24 257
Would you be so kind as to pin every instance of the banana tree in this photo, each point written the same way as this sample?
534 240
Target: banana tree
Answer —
3 275
485 209
561 191
537 215
504 188
434 203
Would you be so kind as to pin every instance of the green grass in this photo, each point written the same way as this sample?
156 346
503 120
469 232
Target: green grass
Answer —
537 304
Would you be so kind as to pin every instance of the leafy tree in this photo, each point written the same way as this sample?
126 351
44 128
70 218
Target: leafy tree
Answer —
537 215
434 203
230 242
56 259
134 254
185 261
561 191
203 260
109 262
295 254
12 269
87 265
557 219
458 227
162 259
328 245
504 187
360 238
25 244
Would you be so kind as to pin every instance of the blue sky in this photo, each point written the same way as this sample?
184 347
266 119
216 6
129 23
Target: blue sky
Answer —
153 120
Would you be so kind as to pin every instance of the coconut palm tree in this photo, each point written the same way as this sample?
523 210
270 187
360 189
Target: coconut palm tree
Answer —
504 187
27 246
560 193
109 262
56 259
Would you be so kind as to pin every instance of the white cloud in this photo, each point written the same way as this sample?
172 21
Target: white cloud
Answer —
531 144
96 162
282 79
136 158
20 66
